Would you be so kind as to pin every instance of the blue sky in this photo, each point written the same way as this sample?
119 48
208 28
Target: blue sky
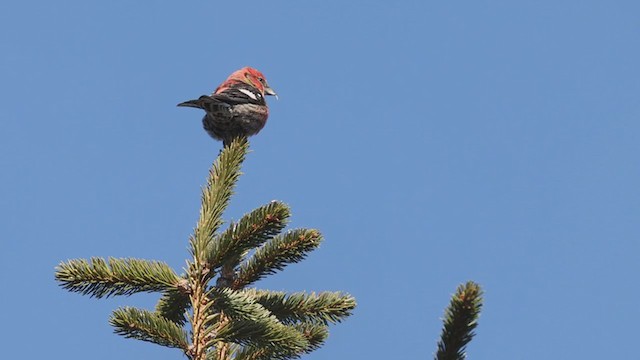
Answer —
431 142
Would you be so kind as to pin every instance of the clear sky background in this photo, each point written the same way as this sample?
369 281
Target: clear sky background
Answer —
432 142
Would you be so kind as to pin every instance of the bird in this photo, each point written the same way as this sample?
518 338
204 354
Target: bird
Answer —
237 108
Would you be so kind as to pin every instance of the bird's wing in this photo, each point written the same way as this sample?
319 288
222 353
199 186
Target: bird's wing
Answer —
222 102
240 95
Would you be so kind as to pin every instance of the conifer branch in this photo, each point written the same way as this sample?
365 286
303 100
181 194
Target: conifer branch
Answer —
315 334
251 324
251 231
263 333
325 307
461 318
222 179
277 253
173 305
103 278
147 326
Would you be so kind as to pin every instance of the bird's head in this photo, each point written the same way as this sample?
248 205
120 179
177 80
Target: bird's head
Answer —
251 76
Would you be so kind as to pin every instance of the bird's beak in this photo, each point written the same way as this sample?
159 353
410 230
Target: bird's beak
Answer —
269 91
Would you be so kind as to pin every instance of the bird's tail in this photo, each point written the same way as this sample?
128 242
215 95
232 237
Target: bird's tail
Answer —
191 103
200 103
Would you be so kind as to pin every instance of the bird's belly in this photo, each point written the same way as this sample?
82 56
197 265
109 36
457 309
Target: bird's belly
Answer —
241 120
250 117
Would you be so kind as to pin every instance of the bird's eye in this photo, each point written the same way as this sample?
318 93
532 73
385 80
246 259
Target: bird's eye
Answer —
261 80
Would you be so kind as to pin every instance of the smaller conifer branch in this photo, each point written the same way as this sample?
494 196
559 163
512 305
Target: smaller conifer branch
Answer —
147 326
460 320
216 195
277 253
287 343
315 334
237 305
257 353
173 305
249 323
103 278
251 231
325 307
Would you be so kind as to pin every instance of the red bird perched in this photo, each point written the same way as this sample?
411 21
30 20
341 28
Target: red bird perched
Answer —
237 107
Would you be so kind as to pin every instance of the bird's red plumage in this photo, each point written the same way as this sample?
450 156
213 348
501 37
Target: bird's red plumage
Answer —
246 75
